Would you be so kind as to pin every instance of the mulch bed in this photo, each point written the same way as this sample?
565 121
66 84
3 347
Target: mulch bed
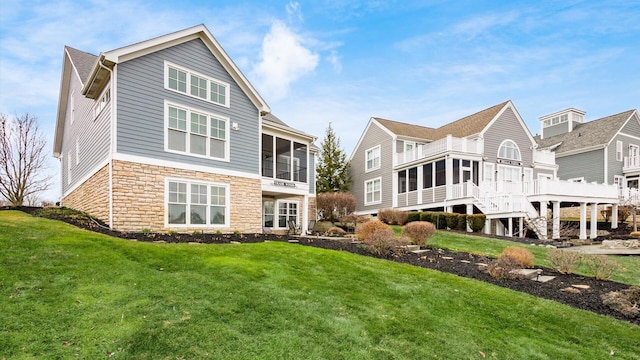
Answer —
458 263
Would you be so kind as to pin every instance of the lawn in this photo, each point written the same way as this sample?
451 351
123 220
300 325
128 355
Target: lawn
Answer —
70 293
629 271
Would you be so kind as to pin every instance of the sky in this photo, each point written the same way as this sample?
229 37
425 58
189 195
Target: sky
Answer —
341 62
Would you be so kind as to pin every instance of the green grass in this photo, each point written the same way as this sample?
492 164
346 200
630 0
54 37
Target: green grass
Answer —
69 293
628 273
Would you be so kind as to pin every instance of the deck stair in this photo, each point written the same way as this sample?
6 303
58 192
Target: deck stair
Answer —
492 202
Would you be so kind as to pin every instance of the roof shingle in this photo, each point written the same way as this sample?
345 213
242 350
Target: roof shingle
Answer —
82 61
588 134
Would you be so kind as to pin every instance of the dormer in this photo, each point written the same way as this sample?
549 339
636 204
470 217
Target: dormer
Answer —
560 122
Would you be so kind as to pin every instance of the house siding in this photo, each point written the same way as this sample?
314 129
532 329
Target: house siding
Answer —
495 135
554 130
141 109
374 136
574 166
92 135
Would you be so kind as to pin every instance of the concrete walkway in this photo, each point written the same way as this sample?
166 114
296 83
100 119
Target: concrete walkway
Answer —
599 250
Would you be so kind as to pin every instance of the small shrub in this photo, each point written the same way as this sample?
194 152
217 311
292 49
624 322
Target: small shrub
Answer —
426 216
218 232
625 301
146 231
565 261
623 213
350 221
335 231
413 216
419 232
476 221
367 228
237 232
462 222
602 266
522 256
197 232
172 232
383 242
323 226
452 220
392 216
503 268
441 221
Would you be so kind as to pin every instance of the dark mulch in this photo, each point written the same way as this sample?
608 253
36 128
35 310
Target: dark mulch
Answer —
458 263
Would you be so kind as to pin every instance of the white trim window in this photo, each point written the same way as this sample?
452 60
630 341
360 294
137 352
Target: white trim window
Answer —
509 150
102 102
619 181
196 133
372 158
287 211
196 203
373 191
193 84
618 150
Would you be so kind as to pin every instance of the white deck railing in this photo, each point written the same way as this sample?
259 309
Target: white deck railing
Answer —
544 157
441 146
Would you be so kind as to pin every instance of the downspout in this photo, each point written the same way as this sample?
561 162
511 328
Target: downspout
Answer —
113 97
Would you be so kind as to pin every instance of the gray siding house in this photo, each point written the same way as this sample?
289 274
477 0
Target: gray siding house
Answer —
602 150
168 134
487 163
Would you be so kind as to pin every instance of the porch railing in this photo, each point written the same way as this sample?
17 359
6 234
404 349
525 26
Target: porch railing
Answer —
450 143
631 163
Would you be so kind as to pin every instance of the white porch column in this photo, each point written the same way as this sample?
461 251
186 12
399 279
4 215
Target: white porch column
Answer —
521 227
469 212
556 220
304 227
583 221
594 221
510 234
543 214
448 209
487 226
614 216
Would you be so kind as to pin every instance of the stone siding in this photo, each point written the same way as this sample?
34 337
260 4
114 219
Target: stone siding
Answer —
139 198
92 196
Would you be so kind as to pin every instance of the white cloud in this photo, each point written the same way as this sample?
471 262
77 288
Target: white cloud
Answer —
294 12
283 60
334 60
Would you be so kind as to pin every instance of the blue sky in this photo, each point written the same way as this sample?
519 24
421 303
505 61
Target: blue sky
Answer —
315 62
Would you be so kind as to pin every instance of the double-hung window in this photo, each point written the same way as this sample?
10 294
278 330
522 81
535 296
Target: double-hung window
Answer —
195 203
373 158
196 133
196 85
372 191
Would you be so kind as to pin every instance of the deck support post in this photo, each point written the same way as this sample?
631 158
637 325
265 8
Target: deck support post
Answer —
469 212
583 221
594 221
543 214
614 216
556 220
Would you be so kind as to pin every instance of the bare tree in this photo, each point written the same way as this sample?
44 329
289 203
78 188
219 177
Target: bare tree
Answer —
22 159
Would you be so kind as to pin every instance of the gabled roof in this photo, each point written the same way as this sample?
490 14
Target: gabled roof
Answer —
82 61
94 71
408 130
468 125
587 135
